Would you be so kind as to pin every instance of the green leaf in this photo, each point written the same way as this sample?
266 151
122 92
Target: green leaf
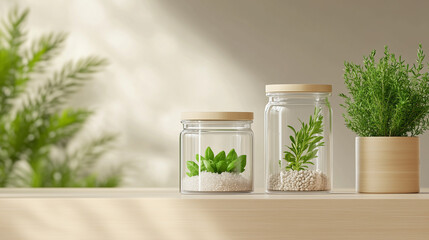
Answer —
317 139
209 166
312 154
193 168
231 166
289 157
293 129
220 157
292 139
222 163
241 162
311 147
209 154
221 166
232 155
199 158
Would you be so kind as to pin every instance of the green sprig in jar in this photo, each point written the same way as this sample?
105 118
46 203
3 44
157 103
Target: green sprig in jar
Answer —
298 138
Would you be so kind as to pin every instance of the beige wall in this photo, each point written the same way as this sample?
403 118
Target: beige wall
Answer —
174 56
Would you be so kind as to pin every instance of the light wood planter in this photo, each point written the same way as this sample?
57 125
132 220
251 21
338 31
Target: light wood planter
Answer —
387 164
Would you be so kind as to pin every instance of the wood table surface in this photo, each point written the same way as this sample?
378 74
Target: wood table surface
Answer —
63 214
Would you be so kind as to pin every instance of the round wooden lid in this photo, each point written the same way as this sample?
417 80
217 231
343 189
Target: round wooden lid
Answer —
284 88
218 116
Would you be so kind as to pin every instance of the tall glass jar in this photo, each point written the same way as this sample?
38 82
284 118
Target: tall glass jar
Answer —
298 138
216 152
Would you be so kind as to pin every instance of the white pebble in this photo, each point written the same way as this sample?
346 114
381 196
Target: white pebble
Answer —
214 182
304 180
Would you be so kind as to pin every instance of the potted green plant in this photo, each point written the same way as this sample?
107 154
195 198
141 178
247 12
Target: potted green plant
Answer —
387 106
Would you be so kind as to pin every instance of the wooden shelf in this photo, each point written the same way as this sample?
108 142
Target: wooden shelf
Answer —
166 214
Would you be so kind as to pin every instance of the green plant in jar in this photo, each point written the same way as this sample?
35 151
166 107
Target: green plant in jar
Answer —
305 143
216 163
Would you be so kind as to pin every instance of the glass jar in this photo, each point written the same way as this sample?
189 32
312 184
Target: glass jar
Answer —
298 142
216 152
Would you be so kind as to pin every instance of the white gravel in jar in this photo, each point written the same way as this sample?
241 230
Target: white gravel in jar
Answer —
304 180
214 182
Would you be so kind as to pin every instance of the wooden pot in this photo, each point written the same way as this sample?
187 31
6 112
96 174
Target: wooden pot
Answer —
387 164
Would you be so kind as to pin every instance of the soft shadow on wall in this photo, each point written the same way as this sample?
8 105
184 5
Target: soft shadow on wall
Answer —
173 56
305 42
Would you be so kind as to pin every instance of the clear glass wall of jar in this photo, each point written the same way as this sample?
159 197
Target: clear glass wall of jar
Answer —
298 138
216 152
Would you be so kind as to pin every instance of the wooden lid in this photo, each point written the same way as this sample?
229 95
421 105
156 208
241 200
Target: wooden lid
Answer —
283 88
218 116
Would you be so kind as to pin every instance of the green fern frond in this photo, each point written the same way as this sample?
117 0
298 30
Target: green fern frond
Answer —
64 83
59 127
70 170
21 175
12 34
8 81
18 63
88 153
75 170
35 137
44 49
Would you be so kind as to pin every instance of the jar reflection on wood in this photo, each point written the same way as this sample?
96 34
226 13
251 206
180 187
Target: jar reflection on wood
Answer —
298 143
216 152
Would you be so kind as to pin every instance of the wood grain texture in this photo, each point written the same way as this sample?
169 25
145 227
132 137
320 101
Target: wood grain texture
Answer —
162 214
387 164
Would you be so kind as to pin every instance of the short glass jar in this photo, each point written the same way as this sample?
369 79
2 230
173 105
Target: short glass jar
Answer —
298 142
216 152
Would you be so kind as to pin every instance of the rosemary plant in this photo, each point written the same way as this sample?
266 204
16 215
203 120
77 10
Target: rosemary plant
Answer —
388 97
305 143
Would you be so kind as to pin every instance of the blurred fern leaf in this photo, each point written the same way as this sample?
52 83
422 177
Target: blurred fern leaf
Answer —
35 135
